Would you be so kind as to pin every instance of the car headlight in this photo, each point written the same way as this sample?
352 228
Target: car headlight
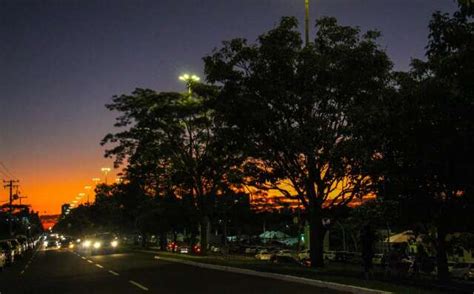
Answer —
71 245
45 243
87 244
97 245
114 243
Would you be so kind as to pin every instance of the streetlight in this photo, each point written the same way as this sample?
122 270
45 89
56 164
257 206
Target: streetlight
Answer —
106 171
80 195
306 22
96 181
88 188
189 80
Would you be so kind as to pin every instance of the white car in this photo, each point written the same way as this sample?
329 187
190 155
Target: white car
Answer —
264 255
463 271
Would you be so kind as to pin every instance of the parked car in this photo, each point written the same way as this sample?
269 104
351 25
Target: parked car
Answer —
17 247
302 255
9 251
24 243
463 271
285 252
329 255
3 259
264 255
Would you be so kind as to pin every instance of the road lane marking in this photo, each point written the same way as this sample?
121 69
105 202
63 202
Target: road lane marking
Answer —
139 285
90 261
83 257
22 272
114 273
98 265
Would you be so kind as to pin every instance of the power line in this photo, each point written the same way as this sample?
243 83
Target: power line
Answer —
4 174
7 170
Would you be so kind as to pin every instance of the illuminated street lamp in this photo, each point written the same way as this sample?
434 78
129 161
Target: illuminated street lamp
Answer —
80 195
189 80
106 171
119 180
96 180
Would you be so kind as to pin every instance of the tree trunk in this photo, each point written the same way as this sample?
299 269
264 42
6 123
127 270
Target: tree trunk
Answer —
441 258
316 238
163 241
203 234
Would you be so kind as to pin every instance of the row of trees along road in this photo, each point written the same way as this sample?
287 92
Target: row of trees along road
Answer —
324 123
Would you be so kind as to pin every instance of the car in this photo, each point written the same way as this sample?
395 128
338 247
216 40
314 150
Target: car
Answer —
329 255
9 251
285 252
302 255
264 255
24 243
51 242
3 259
17 247
101 243
67 243
463 271
179 247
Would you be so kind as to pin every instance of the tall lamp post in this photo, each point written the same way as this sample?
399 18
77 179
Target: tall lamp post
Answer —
306 22
189 80
87 188
106 171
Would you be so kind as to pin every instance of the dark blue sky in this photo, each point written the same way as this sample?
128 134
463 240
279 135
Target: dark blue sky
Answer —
62 60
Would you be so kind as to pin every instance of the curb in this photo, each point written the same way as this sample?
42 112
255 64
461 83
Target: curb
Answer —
281 277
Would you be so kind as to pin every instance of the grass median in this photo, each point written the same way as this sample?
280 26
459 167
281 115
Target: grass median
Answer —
335 272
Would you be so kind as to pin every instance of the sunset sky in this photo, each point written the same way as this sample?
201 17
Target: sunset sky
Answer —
62 60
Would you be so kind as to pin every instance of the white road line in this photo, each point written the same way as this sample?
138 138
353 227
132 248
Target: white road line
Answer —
90 261
22 272
139 285
98 265
114 273
83 257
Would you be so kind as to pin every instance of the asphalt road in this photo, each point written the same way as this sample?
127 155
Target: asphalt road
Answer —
65 271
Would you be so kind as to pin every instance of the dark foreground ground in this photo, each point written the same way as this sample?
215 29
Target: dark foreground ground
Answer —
65 271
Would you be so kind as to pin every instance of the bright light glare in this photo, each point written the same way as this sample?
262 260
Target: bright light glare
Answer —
71 246
87 243
114 243
45 243
97 245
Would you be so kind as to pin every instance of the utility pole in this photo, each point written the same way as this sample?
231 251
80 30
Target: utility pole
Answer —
10 185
